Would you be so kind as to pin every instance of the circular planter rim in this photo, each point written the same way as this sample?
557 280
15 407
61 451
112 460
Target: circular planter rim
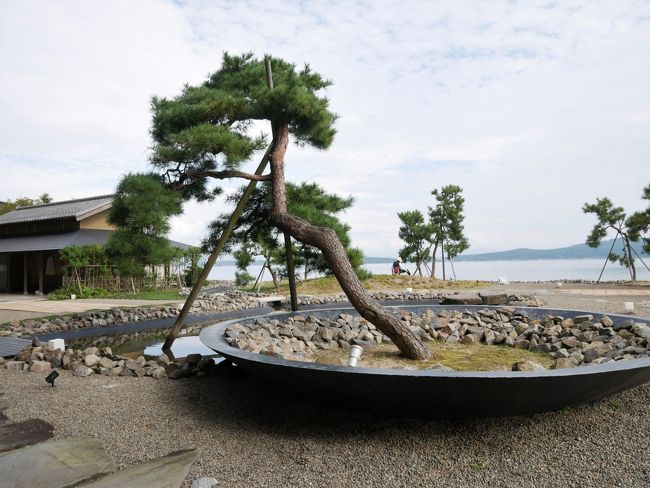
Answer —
213 337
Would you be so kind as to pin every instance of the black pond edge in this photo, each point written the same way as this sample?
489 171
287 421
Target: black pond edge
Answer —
436 393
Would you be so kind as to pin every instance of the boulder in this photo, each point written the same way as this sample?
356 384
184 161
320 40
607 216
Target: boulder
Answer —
561 363
527 365
15 365
494 298
40 367
462 299
91 360
81 370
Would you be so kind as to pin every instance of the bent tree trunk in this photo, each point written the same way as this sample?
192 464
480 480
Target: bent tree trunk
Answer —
327 242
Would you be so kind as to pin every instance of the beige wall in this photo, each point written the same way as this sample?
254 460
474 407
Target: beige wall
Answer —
97 221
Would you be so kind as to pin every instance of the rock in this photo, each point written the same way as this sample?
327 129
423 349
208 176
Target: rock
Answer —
158 373
193 358
527 365
15 365
81 370
561 363
105 363
204 483
641 330
63 462
164 472
163 360
462 299
2 360
206 363
131 364
91 360
40 367
606 321
494 298
578 319
471 339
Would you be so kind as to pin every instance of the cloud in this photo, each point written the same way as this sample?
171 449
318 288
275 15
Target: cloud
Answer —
532 107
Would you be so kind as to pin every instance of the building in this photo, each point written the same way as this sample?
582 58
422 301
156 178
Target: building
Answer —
31 238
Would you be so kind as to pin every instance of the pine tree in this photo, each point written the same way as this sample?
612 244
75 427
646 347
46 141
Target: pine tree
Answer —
446 220
203 135
630 229
141 211
416 233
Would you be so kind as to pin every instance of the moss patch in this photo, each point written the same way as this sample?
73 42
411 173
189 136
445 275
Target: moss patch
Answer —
459 357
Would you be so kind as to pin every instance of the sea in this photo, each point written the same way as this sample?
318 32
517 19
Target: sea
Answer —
533 270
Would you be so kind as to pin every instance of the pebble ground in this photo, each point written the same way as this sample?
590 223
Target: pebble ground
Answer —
252 435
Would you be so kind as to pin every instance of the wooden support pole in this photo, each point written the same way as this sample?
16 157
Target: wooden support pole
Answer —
25 292
40 272
203 276
291 270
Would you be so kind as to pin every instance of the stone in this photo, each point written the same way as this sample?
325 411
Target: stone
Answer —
494 298
206 363
470 339
15 365
204 483
22 434
164 472
81 370
158 373
40 367
91 360
462 299
63 462
527 365
606 321
641 330
163 360
583 318
193 358
106 363
561 363
131 364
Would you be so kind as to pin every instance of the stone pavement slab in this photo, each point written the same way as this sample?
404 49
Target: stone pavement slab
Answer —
57 463
27 433
164 472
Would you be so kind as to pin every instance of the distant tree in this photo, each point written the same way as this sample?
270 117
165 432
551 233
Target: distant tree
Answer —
10 206
416 233
446 219
141 211
193 257
630 229
639 223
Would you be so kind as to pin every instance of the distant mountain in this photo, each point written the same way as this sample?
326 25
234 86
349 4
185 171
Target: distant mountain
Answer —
577 251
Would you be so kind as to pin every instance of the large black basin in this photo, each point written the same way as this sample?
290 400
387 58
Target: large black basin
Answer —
432 393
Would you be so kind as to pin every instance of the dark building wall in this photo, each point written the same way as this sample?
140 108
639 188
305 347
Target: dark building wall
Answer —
43 227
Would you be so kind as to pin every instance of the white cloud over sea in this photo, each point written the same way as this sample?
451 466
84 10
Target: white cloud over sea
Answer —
533 108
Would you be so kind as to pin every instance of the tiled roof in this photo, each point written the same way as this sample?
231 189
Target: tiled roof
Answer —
50 242
78 209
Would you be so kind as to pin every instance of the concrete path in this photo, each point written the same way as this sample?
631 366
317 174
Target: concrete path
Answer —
22 307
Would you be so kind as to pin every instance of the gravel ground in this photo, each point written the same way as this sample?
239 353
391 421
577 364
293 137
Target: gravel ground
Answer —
253 435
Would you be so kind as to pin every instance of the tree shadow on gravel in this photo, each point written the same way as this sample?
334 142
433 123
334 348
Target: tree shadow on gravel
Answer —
248 403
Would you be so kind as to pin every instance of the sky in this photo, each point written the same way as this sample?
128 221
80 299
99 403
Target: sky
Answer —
533 108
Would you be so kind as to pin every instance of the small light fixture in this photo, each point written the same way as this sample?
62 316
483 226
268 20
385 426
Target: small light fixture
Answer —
355 355
51 377
628 306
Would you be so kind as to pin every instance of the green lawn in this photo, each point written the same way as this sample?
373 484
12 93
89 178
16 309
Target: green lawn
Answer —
149 295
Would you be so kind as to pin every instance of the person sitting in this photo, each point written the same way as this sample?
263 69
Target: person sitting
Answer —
397 268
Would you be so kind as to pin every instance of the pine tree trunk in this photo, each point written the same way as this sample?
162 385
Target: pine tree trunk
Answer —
442 252
433 261
630 260
333 251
